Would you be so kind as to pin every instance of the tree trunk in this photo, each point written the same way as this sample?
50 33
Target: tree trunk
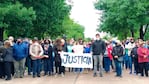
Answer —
1 34
141 32
132 32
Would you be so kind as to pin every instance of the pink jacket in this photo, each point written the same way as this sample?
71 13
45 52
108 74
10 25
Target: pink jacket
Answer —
142 52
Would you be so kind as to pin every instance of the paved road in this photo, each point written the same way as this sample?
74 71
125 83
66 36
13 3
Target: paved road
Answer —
84 78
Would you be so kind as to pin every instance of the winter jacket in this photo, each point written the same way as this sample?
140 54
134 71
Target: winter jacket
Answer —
8 55
36 51
134 52
20 51
142 52
117 51
98 47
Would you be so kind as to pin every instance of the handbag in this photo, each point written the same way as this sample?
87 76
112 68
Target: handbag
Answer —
120 59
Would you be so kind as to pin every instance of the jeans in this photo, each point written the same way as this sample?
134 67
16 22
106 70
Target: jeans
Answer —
130 63
19 67
47 66
36 67
107 63
118 66
98 59
29 64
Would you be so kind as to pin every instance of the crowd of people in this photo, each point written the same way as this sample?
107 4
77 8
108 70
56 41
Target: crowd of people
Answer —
35 56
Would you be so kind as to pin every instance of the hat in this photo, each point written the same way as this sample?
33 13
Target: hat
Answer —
118 41
35 39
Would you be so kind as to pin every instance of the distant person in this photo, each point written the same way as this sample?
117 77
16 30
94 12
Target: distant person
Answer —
2 49
98 50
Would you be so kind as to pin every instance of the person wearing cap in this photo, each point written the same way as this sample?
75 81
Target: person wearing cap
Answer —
143 58
98 50
20 52
117 53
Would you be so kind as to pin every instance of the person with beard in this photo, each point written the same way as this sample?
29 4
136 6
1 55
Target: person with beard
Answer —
20 52
117 53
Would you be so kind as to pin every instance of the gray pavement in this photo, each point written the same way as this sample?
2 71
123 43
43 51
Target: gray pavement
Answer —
83 78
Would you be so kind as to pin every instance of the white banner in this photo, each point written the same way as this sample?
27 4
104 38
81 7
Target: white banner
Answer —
74 60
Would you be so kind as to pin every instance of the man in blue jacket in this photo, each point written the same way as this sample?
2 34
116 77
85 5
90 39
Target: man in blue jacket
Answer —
20 51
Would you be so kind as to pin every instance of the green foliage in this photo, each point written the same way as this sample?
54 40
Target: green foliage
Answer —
121 16
73 29
16 19
50 16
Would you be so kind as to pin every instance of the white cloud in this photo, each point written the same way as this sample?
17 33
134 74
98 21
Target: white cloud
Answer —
84 13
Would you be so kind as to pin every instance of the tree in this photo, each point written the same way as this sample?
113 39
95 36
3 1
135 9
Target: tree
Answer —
50 16
15 19
123 16
73 29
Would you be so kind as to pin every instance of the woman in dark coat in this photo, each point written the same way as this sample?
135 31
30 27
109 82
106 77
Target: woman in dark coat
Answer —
8 60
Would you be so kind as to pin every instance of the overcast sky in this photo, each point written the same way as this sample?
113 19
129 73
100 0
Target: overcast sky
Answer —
84 13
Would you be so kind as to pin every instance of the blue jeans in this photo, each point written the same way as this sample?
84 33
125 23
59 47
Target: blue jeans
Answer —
130 63
36 67
107 63
29 64
118 66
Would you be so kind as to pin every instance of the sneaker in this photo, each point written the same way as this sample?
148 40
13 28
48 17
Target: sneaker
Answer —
56 75
94 75
8 79
62 74
100 75
34 76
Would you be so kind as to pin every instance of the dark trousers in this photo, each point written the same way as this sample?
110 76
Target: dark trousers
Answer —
143 67
58 67
107 63
29 64
36 67
47 66
8 69
136 65
2 73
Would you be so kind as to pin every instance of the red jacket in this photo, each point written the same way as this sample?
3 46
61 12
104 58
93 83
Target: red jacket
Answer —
109 49
141 53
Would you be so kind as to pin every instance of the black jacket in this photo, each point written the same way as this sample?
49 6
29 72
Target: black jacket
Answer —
117 51
98 47
134 52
